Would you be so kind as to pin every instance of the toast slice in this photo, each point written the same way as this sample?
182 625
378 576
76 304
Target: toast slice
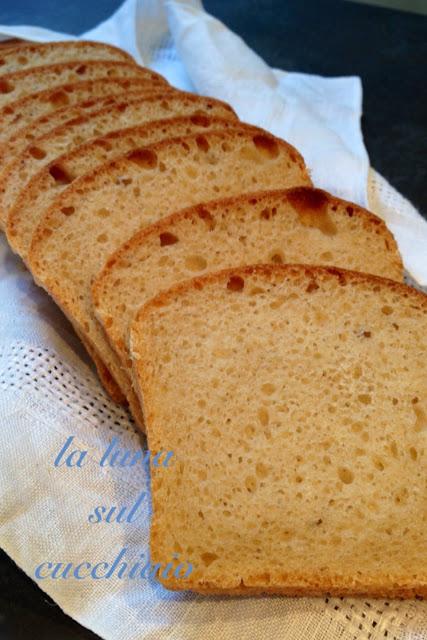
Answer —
294 399
33 54
23 136
21 113
137 190
299 225
26 199
14 86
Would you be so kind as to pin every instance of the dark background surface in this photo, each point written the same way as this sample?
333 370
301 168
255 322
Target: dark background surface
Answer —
387 49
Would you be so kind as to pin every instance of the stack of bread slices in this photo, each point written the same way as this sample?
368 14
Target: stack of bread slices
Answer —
256 326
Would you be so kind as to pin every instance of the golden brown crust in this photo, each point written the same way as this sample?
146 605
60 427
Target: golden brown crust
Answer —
84 182
77 188
59 93
57 117
299 196
15 214
331 587
342 276
29 48
77 65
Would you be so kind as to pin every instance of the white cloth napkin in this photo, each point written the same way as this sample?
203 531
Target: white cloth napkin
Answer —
48 391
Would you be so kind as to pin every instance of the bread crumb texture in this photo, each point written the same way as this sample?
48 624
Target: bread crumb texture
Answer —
295 400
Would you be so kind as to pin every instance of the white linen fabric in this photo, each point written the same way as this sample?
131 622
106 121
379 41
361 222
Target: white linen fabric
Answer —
49 392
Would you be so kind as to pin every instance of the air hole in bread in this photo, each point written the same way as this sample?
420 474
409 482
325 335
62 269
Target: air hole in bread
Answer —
420 418
144 158
81 70
327 256
277 257
387 310
102 238
195 263
256 290
207 217
200 120
263 416
202 144
364 398
167 239
413 453
266 145
268 388
235 283
208 557
59 98
250 484
37 153
345 475
22 60
350 211
262 470
67 211
378 464
313 286
2 62
103 213
6 86
60 175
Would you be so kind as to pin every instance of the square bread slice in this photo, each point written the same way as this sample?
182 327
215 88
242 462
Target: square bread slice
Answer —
31 181
33 54
294 399
21 138
21 113
302 225
17 85
69 248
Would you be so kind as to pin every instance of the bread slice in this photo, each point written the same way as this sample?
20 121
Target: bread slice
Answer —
17 85
33 54
20 114
23 136
35 195
294 399
137 190
293 225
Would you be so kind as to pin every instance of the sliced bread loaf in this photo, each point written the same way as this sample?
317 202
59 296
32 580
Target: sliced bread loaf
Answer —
302 225
33 54
69 248
21 113
23 136
17 85
36 196
294 400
